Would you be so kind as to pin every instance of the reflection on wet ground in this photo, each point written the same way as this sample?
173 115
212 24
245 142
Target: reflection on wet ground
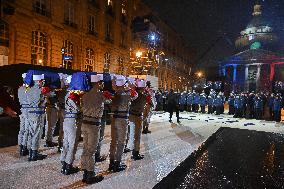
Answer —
232 158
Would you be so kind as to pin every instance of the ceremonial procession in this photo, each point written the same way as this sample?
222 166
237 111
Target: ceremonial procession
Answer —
77 103
141 94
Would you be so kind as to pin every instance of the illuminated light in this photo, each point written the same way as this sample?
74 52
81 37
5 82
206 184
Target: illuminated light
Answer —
153 37
166 59
138 54
40 61
199 74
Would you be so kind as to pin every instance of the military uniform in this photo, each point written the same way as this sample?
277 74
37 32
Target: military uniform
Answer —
36 101
71 130
202 102
136 109
23 133
183 98
277 105
189 101
148 110
61 94
92 107
51 118
119 126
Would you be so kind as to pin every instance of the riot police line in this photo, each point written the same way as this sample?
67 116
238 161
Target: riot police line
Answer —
77 102
261 106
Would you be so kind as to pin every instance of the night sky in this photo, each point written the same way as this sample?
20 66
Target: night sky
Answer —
202 22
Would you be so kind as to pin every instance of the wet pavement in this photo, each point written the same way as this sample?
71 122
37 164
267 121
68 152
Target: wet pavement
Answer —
165 148
232 158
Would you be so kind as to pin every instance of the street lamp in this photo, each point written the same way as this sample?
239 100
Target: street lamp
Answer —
40 61
199 74
63 55
138 54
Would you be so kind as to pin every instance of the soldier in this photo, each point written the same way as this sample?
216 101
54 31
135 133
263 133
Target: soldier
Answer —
92 106
195 102
36 101
202 102
71 130
210 102
23 133
173 103
159 100
51 119
218 103
148 110
183 98
136 116
61 94
258 106
277 105
231 104
120 108
189 101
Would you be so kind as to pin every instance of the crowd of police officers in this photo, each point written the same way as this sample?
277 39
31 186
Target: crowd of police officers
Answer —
79 108
261 106
80 105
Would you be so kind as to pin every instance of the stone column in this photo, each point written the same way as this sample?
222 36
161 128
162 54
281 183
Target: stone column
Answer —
246 78
258 77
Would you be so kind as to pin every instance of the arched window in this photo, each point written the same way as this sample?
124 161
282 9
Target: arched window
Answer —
90 60
106 62
4 34
39 48
68 55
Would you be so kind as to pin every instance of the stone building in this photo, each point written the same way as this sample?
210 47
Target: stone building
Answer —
258 64
173 56
91 35
87 35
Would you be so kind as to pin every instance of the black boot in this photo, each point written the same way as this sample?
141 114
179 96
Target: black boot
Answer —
136 155
147 130
70 169
85 175
30 155
99 158
23 150
50 144
144 131
91 178
111 165
36 156
63 167
59 147
126 150
119 166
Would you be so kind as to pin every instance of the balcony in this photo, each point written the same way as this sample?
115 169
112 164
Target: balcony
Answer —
71 24
40 10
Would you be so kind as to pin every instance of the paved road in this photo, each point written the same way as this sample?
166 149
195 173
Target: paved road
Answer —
166 147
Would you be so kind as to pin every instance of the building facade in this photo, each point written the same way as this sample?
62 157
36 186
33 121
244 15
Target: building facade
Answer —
60 34
174 58
87 35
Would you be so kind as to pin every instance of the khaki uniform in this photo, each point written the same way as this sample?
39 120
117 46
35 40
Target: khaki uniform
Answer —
71 130
148 111
23 133
92 107
119 124
36 101
51 117
61 110
136 110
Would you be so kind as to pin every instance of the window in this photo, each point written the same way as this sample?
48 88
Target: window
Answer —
39 48
90 60
109 8
109 32
69 15
122 39
120 66
92 28
4 34
40 7
106 62
68 55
